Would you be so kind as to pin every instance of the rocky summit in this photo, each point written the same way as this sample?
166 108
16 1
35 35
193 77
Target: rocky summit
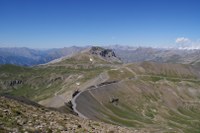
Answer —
107 54
103 52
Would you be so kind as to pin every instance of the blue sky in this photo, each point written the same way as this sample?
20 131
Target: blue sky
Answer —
62 23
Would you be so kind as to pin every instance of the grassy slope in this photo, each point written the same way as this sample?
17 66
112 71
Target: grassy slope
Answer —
167 99
42 82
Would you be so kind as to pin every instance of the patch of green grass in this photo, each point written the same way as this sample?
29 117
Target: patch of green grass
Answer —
186 123
119 74
13 68
124 111
154 78
117 120
191 112
150 112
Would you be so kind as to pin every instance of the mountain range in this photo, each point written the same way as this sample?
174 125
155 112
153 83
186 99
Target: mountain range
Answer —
161 55
96 90
31 57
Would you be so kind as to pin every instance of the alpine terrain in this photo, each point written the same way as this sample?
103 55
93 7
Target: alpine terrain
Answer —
95 90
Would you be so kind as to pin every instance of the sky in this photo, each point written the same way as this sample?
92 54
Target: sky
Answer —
63 23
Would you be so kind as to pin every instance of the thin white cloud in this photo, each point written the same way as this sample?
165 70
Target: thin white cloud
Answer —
185 43
181 40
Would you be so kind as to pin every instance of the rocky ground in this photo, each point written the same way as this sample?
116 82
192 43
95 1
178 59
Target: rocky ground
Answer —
17 117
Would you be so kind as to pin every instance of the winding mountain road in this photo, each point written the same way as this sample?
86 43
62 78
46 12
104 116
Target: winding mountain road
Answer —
104 83
74 106
103 77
